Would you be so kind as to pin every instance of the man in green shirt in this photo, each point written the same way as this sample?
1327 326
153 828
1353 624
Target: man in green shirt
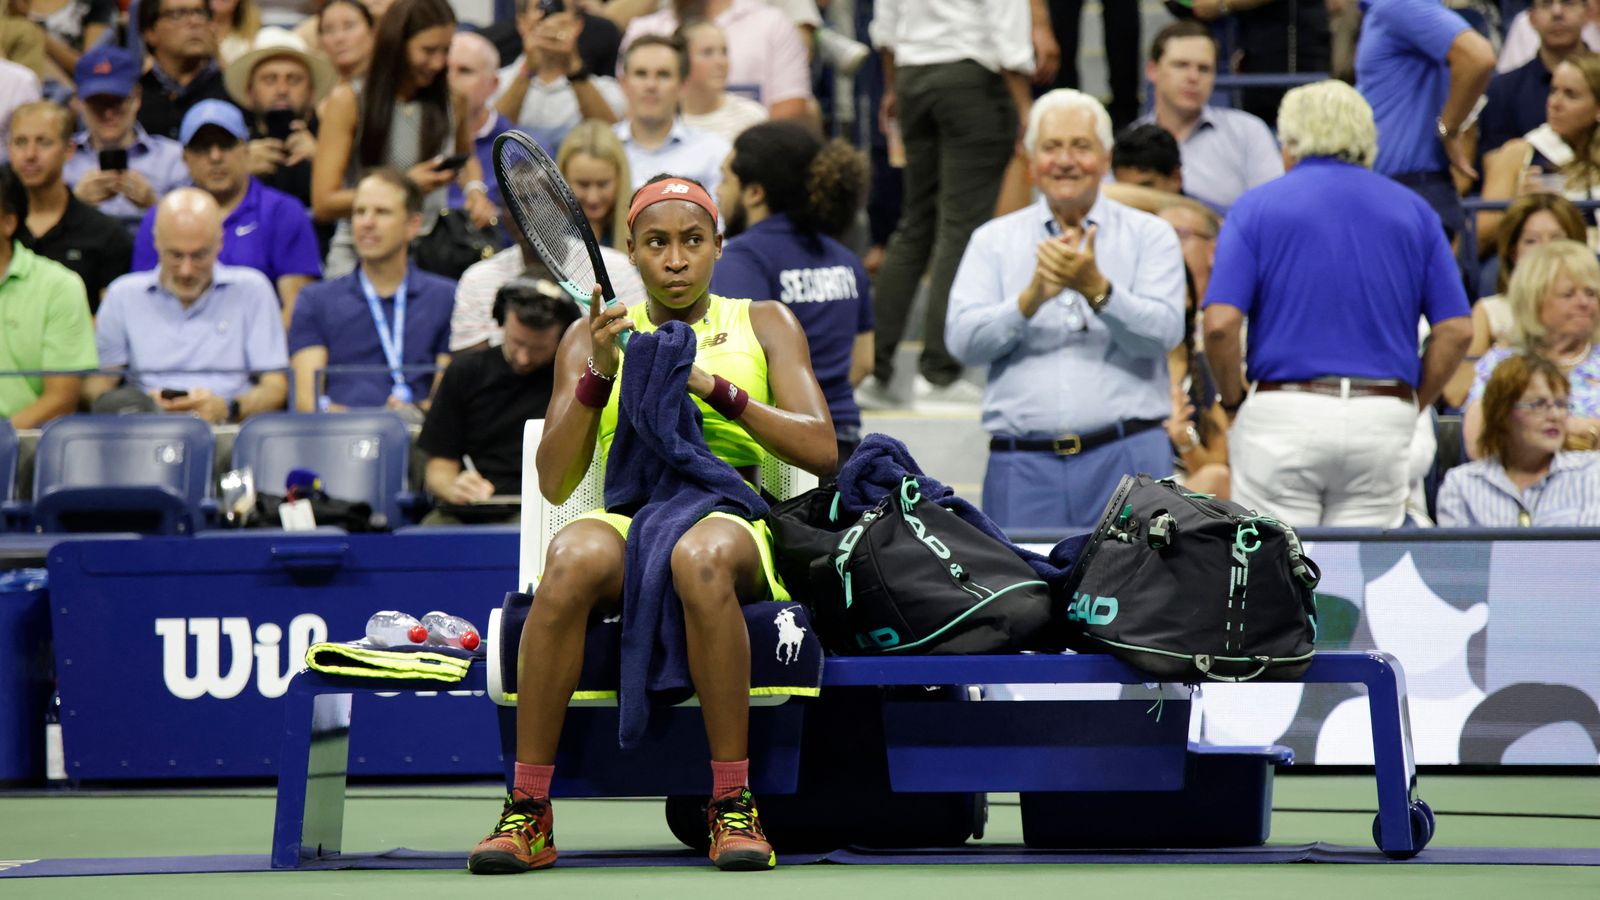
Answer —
44 322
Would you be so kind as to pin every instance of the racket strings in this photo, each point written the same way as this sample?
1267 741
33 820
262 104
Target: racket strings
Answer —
539 206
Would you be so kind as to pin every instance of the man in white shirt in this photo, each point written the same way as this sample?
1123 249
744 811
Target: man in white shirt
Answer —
956 76
1225 151
548 90
653 70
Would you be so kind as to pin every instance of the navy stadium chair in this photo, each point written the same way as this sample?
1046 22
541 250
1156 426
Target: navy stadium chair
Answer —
360 456
144 473
8 472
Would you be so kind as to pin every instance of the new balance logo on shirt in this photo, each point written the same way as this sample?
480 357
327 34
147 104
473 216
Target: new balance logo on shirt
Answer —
818 285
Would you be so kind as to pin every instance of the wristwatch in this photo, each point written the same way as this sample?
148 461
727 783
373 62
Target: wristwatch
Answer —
1445 132
1099 301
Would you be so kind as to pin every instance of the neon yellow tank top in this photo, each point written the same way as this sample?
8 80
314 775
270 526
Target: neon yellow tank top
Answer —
727 347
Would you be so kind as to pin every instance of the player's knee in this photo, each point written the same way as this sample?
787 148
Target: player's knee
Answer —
578 565
703 564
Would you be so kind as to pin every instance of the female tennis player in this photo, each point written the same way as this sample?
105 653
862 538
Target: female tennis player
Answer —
755 388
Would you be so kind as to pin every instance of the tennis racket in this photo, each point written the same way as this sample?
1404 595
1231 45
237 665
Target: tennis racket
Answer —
548 215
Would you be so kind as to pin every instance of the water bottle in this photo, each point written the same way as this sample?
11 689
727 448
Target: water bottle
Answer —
388 628
450 631
55 761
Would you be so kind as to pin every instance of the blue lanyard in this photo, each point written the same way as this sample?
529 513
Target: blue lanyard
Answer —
390 341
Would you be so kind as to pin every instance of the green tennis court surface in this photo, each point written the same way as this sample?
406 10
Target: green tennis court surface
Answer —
1487 811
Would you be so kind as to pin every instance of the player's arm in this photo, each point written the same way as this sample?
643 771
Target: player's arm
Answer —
796 426
570 427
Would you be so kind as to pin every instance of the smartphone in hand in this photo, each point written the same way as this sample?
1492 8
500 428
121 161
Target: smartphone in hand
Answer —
114 160
452 162
173 393
279 122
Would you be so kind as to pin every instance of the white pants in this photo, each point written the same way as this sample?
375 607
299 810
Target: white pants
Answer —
1317 460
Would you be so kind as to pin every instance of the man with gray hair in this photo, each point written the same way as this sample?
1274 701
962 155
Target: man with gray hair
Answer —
1321 435
1072 303
206 339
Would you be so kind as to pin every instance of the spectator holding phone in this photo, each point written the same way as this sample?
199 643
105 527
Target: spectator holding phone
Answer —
206 337
58 225
117 166
263 229
404 116
550 88
278 85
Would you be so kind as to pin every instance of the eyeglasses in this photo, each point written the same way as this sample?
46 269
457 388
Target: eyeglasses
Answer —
1542 406
192 13
1551 4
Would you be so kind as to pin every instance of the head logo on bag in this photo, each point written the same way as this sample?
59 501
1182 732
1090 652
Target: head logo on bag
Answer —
1092 610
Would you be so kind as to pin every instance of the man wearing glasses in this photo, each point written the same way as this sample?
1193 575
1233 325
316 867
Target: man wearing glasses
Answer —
206 338
184 70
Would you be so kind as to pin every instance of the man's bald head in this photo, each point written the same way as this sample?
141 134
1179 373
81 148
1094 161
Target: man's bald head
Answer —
474 68
188 236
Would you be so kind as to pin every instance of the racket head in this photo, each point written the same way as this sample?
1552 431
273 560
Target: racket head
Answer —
550 218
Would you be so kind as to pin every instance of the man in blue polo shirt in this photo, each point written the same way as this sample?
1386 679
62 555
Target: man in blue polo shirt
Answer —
1516 98
264 229
1323 433
781 249
387 315
202 337
1422 68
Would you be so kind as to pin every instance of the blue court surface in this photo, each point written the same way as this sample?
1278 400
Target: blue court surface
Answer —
1498 836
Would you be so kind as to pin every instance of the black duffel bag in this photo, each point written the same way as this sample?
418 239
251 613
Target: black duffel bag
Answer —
908 577
1188 588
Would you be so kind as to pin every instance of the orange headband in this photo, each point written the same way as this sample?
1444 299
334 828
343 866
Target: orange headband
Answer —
671 189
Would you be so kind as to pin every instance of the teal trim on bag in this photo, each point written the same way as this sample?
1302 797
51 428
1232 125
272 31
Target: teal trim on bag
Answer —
833 509
957 620
1271 660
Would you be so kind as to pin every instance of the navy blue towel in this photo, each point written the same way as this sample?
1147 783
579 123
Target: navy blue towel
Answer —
662 474
874 471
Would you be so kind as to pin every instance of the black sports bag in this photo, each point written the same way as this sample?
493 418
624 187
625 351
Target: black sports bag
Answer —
908 577
1187 587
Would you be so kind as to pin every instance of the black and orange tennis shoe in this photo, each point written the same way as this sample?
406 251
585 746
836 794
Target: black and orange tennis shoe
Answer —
523 840
737 841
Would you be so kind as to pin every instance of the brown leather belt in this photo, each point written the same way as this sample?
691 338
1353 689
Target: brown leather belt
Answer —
1334 388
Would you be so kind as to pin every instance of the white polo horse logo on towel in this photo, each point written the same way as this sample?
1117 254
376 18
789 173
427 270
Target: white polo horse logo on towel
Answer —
790 635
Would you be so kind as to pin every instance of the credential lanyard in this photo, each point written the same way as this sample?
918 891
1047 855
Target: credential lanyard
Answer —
390 340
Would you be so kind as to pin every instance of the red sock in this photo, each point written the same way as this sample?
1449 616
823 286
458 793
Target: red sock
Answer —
727 777
533 781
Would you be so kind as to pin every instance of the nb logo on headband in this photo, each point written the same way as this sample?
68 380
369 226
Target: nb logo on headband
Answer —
675 189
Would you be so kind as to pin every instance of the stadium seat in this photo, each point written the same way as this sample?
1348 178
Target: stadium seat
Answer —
142 473
360 456
8 472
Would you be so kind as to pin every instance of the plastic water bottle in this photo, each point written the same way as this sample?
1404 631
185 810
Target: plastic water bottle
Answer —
388 628
450 631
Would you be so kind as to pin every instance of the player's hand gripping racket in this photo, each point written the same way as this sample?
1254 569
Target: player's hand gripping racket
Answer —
550 218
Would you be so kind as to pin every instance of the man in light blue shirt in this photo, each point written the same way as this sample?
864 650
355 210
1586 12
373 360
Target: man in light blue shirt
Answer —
197 336
1072 303
1225 151
107 79
652 76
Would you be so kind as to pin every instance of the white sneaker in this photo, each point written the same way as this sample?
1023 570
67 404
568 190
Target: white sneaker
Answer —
873 394
958 393
844 54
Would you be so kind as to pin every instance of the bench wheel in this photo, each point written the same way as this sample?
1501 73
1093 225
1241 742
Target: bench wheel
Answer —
1422 824
686 816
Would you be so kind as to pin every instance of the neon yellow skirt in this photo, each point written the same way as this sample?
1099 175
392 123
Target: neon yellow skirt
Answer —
758 531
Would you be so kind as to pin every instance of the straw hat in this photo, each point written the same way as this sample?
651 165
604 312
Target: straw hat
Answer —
272 42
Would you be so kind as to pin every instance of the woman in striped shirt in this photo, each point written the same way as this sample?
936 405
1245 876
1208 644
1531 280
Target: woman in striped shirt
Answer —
1523 478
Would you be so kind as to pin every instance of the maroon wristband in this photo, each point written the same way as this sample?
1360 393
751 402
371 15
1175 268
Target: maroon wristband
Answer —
593 391
727 398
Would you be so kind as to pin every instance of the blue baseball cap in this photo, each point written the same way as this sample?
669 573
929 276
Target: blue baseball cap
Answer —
106 71
220 113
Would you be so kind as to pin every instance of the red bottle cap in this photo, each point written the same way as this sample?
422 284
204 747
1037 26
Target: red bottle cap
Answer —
418 634
469 641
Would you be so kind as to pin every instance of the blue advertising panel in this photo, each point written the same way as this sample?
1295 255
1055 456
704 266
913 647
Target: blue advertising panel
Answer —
172 654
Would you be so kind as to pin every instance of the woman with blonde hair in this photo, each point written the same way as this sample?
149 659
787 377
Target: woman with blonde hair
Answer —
1561 156
235 23
595 165
1524 477
1555 308
1530 221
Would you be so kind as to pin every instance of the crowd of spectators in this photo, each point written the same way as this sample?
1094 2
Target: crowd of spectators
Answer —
1272 292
